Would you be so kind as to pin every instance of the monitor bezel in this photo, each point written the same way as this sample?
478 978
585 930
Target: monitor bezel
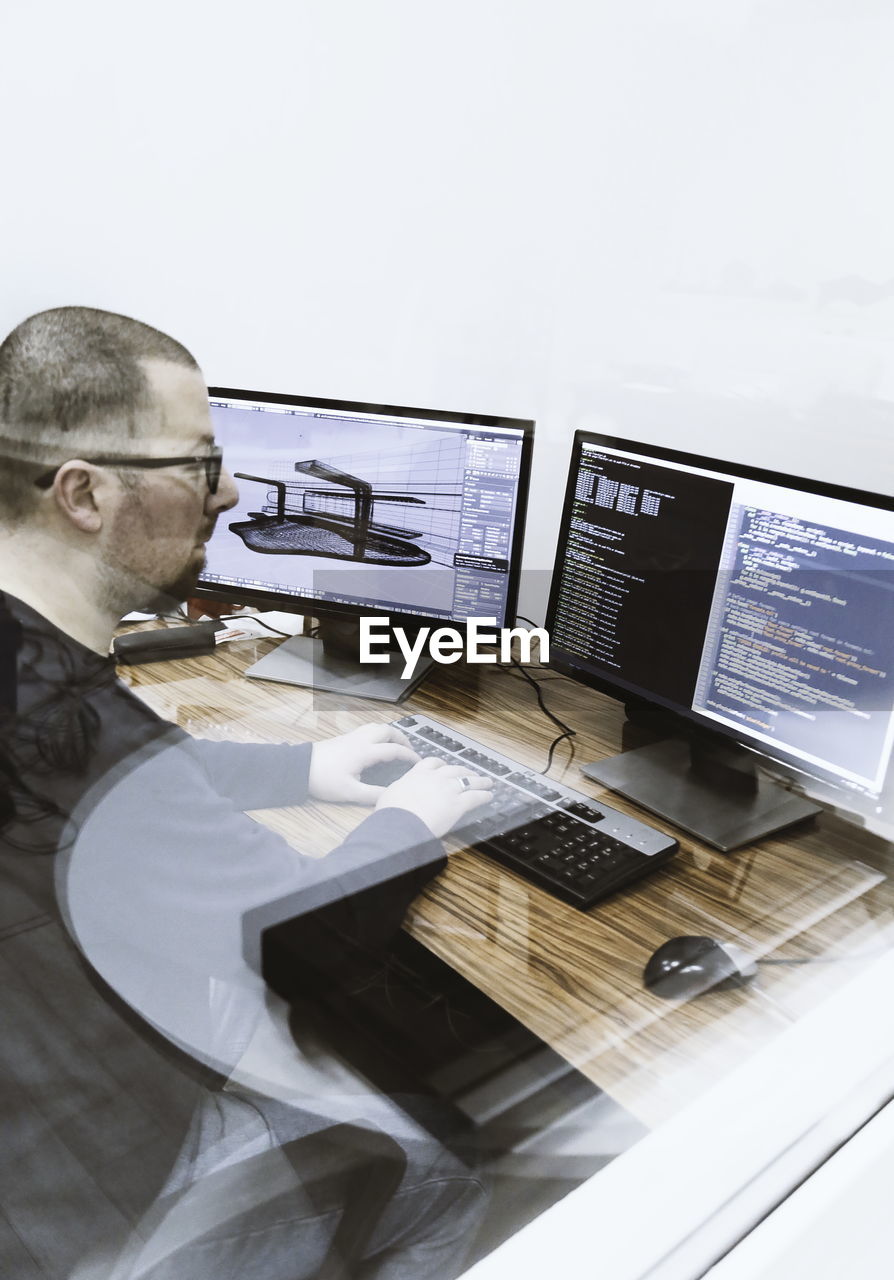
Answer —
310 605
635 696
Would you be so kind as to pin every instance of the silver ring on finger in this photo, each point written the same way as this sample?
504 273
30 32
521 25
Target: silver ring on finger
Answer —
465 783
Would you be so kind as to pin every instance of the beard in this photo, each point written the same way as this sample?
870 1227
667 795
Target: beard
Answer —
123 591
148 572
172 593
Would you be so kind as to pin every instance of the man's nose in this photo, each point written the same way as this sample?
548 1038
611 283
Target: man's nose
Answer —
227 493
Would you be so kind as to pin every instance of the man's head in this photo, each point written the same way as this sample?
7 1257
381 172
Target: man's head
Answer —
84 393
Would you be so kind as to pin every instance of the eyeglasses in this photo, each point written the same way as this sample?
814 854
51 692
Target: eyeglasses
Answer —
212 462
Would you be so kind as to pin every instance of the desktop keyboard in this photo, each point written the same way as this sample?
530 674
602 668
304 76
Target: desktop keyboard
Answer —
575 848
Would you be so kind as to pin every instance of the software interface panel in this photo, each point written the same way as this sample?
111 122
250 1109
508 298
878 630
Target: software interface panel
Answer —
402 514
767 609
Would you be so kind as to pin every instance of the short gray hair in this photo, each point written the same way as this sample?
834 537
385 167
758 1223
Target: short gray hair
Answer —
72 384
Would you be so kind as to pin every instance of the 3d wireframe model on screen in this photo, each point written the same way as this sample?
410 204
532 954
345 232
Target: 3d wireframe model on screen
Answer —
335 521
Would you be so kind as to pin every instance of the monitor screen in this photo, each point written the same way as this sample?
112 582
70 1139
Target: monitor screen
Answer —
369 508
749 602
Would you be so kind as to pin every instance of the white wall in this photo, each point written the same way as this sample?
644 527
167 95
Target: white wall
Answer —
673 216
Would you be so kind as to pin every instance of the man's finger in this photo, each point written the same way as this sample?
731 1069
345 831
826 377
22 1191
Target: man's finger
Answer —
364 793
384 733
460 771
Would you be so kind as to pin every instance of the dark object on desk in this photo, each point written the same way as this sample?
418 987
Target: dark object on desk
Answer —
174 642
691 965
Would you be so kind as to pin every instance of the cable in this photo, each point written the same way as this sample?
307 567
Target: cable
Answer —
569 734
567 731
863 955
555 675
182 616
531 666
253 617
520 617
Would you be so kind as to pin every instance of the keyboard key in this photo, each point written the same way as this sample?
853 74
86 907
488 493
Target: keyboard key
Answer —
581 810
482 761
531 784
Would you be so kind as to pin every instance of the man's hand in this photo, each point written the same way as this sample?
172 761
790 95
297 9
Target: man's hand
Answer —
336 764
438 793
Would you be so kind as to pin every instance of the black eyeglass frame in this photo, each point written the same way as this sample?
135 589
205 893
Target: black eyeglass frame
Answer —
212 462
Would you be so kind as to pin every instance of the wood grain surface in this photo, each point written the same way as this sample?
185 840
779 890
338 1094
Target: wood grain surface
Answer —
819 892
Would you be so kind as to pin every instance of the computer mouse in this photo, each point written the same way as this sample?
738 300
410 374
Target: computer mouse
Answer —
689 966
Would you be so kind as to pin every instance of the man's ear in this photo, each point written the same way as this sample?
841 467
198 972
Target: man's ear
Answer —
76 492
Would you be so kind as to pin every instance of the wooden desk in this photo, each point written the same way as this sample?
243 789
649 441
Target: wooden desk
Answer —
575 978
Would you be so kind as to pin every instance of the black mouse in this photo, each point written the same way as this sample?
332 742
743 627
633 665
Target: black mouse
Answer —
688 966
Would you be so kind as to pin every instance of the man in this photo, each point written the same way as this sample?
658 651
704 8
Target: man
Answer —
110 490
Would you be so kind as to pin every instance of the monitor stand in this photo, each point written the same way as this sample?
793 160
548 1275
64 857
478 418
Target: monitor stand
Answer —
706 786
329 663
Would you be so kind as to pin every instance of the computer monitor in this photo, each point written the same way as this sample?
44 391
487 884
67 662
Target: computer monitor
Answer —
732 601
349 509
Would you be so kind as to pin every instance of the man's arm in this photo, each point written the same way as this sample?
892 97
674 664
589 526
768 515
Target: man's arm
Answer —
169 888
254 775
265 777
172 867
